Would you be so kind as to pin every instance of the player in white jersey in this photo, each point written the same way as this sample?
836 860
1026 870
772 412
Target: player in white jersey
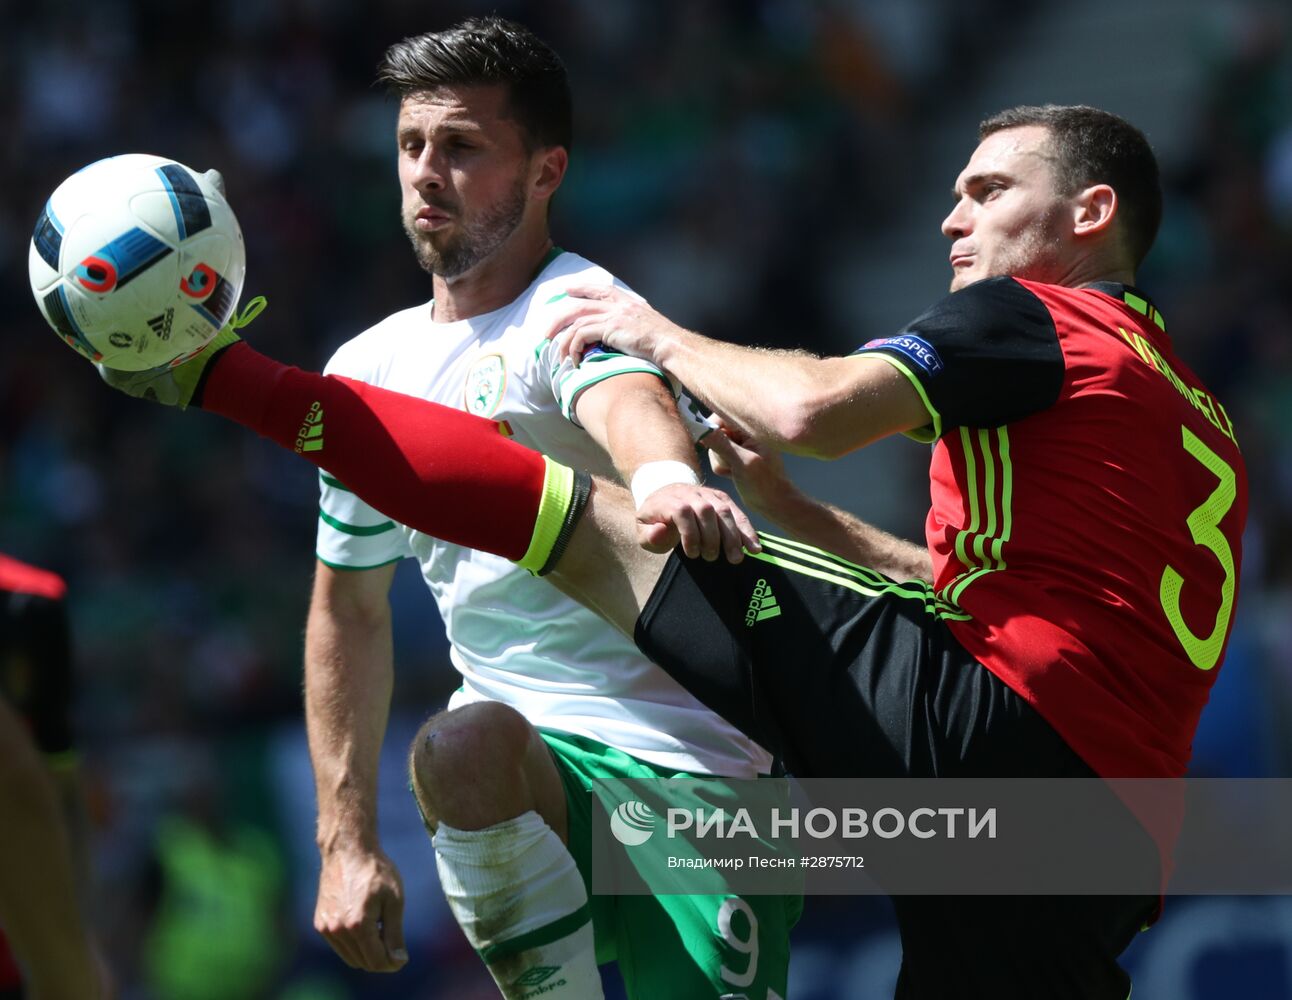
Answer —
514 639
483 133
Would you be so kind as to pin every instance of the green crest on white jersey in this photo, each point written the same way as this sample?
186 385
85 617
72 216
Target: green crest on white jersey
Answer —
486 380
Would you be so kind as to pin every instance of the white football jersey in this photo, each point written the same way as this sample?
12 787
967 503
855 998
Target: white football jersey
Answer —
514 637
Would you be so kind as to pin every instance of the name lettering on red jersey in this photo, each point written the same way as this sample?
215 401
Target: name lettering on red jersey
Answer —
1201 400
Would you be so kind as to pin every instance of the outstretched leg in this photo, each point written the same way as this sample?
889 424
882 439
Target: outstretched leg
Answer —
447 473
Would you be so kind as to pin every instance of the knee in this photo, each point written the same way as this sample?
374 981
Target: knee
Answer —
475 744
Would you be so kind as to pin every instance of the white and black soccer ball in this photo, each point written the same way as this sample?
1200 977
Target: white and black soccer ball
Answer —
137 261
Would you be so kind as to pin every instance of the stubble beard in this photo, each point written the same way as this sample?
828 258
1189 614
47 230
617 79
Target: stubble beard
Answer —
1033 254
474 242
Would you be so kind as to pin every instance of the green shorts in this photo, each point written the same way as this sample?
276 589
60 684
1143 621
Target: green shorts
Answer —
683 947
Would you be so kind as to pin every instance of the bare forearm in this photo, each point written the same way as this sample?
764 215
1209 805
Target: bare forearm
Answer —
828 527
768 392
824 407
644 427
348 680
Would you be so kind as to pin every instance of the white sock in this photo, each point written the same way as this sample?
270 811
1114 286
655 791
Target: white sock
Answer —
519 898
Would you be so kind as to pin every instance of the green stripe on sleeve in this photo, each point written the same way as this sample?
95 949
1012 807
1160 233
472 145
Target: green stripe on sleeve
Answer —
637 365
931 431
355 529
567 405
336 484
354 569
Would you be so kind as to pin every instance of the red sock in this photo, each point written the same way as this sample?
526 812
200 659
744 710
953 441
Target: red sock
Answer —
431 467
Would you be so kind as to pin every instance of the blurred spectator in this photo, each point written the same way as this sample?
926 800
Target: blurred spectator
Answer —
44 871
217 931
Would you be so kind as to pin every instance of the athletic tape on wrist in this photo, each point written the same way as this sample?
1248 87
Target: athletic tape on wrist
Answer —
654 475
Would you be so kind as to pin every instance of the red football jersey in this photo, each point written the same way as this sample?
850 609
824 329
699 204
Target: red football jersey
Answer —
1088 502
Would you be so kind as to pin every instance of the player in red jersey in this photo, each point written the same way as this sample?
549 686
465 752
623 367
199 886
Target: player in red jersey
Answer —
39 911
1088 493
1083 542
1073 600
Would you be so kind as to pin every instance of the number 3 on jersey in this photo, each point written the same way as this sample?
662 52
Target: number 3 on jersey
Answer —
1204 526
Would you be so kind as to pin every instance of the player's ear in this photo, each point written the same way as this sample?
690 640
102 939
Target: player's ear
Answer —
1093 210
547 170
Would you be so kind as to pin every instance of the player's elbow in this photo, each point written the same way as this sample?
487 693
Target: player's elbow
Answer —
809 425
826 445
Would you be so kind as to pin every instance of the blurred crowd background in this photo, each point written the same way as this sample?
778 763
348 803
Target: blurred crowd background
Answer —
768 171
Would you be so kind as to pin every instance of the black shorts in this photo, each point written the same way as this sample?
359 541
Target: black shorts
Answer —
842 672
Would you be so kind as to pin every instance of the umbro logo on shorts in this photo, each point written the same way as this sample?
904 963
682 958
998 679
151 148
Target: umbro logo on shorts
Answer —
762 605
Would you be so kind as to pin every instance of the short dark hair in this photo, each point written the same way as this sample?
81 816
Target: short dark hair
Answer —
1097 147
489 50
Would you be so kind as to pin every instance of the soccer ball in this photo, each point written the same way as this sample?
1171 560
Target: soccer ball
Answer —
137 261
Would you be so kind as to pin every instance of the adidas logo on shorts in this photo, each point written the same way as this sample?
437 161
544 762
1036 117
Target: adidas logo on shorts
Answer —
762 605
